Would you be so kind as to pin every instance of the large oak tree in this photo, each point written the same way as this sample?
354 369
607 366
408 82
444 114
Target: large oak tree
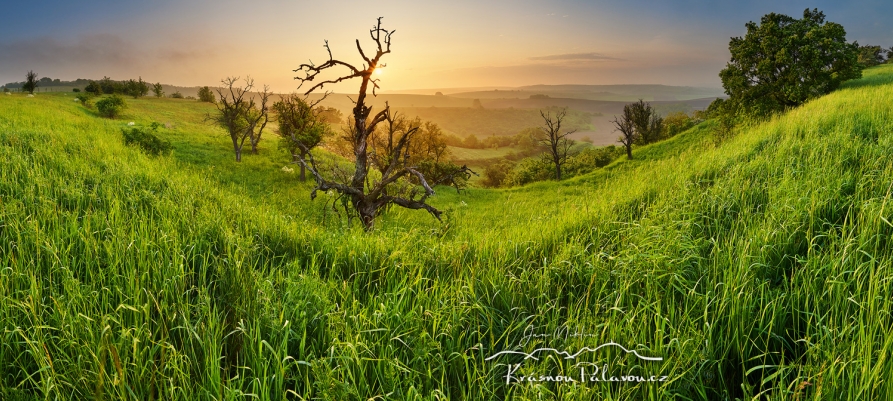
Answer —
783 62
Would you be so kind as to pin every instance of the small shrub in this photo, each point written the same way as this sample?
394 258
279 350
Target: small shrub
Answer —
147 140
85 99
675 123
495 174
177 95
76 90
111 106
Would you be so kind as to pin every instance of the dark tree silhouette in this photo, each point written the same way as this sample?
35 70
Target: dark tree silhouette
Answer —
556 142
628 134
392 181
30 82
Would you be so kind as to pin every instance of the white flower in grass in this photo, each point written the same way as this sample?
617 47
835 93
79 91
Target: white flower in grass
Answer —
131 124
288 169
30 95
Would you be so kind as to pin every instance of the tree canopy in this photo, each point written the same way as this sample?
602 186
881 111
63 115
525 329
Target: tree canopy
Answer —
783 62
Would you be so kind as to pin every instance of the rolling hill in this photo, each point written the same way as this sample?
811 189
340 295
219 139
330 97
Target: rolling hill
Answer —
759 268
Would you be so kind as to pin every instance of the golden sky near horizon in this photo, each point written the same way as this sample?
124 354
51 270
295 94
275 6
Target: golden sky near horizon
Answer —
436 45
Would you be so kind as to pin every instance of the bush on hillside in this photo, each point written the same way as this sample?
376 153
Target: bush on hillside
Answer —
176 95
85 99
678 122
495 174
592 158
111 106
147 140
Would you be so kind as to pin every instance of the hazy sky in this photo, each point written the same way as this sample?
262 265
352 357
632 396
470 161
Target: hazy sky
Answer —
439 44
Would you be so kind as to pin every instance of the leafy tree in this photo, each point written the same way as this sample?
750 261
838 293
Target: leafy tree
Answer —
238 113
301 127
329 115
870 56
176 95
136 88
111 106
157 89
363 195
782 62
555 141
425 149
206 95
648 124
110 87
94 87
30 82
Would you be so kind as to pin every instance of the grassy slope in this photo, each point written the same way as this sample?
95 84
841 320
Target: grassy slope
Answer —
752 267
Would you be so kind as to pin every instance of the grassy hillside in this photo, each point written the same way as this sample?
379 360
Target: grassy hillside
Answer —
758 269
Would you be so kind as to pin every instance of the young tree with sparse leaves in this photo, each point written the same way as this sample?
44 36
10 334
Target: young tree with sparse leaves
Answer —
301 127
239 114
555 141
157 89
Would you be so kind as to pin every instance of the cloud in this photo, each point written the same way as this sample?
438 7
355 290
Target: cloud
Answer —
97 55
99 48
576 57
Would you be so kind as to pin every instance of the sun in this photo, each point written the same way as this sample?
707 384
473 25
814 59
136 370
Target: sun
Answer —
378 71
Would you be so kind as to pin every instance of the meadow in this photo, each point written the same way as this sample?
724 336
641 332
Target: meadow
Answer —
756 268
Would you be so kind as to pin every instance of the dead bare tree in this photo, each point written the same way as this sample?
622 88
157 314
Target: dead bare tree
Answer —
238 113
369 194
628 133
557 143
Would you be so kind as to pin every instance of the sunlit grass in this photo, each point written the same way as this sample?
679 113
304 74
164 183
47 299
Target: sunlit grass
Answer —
759 268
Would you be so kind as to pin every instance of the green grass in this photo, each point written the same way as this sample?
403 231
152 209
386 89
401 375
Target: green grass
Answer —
752 267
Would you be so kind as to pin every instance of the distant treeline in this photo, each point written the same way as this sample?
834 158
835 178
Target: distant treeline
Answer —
47 82
481 122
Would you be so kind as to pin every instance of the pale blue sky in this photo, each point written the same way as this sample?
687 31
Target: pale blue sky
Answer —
438 44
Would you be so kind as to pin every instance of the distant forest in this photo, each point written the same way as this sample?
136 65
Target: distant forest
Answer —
47 82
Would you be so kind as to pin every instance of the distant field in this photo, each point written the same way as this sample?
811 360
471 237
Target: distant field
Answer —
484 122
465 154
